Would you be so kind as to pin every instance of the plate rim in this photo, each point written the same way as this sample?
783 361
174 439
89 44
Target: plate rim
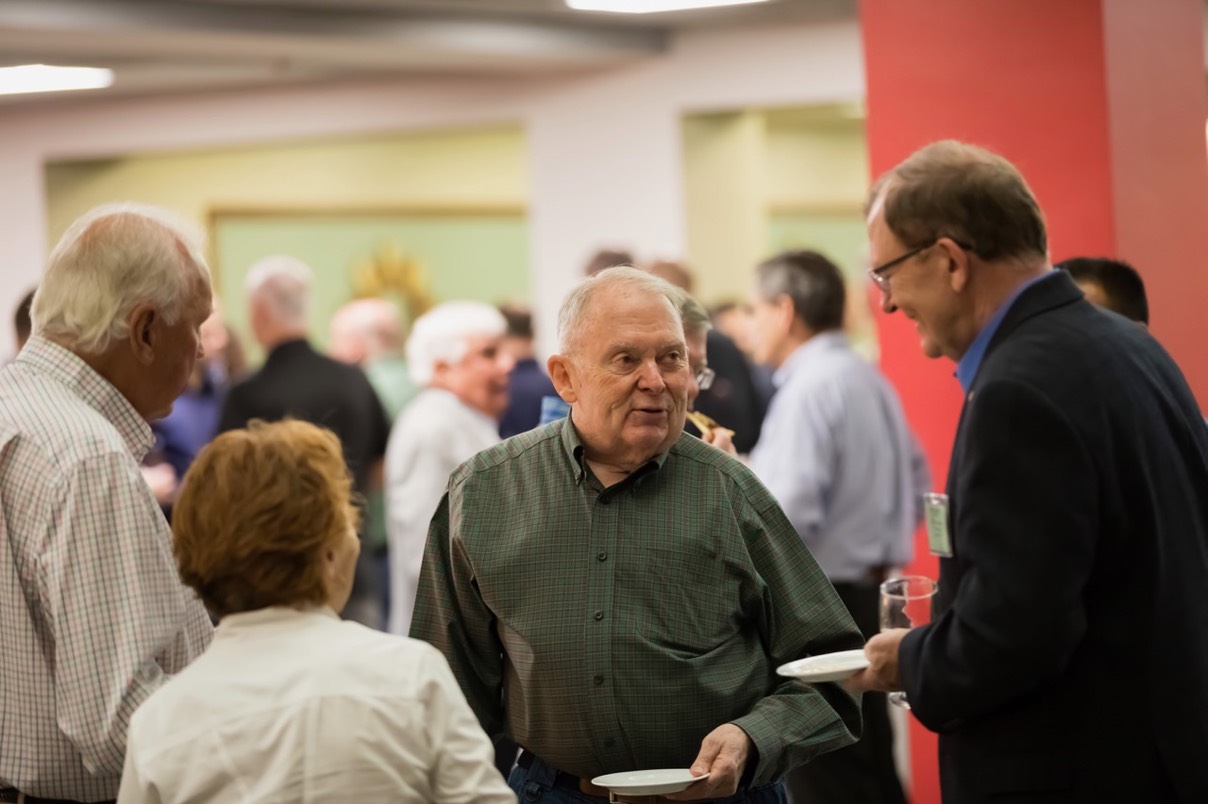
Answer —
861 663
690 780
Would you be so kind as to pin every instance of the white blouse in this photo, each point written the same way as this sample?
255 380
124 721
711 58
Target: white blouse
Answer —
301 706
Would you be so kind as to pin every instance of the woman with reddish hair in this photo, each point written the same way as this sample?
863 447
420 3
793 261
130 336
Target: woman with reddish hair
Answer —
291 703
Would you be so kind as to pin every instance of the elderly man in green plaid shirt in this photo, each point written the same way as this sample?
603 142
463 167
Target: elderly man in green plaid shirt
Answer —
626 589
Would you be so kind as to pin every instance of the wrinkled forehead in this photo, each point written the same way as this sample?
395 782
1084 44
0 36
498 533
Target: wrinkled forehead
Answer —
633 304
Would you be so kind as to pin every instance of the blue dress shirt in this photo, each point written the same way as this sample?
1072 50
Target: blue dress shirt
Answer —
970 362
838 456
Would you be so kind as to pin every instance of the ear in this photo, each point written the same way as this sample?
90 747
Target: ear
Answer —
439 369
562 374
958 264
786 315
328 568
144 321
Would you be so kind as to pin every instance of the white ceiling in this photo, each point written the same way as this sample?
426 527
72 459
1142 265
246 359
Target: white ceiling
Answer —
198 45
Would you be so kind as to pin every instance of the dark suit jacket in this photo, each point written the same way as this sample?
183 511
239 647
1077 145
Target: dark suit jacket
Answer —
1070 661
528 384
297 381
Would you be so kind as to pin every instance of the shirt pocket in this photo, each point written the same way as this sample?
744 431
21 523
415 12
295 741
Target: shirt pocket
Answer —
690 596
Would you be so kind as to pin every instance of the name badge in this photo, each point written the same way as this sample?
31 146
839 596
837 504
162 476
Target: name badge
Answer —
935 512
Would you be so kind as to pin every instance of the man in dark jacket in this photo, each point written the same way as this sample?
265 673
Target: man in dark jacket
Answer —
1066 657
298 382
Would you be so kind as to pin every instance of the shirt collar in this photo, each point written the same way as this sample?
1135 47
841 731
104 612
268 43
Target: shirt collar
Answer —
822 342
285 349
64 366
273 615
573 448
970 362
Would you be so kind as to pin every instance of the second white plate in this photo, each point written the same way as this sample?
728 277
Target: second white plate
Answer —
648 782
826 666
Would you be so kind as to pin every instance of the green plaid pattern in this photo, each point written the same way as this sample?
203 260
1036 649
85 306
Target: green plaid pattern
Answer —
627 623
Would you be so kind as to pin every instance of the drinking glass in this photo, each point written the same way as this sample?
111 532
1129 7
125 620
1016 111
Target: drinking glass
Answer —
906 603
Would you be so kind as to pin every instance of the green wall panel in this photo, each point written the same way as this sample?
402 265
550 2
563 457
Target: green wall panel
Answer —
841 237
477 256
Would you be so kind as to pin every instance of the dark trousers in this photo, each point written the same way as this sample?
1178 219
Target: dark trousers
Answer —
863 773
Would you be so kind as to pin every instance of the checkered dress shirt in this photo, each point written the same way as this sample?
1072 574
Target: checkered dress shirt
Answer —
627 623
93 616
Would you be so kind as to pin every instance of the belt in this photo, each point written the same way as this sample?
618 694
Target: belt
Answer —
9 795
566 781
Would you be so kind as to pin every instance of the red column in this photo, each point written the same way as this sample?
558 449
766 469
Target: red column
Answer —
1101 105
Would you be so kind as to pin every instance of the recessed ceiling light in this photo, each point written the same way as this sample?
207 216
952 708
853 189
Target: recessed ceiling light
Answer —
49 78
651 6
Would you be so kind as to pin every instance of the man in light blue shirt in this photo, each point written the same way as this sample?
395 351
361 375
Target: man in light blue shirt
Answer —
837 454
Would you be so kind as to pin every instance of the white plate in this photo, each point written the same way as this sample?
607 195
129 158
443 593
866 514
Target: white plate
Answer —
648 782
826 666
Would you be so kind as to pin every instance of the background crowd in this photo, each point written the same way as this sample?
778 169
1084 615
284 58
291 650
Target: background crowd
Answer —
606 590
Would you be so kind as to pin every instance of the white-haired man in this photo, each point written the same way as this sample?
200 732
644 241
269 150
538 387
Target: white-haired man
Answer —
296 381
455 353
631 589
93 617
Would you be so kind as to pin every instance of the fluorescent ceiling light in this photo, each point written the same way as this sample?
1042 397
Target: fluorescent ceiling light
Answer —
650 6
48 78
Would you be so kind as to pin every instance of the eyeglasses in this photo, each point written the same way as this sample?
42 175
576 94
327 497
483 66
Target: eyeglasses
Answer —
879 274
704 378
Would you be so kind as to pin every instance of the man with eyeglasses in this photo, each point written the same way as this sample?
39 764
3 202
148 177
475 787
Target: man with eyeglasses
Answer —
731 395
838 456
697 325
1066 657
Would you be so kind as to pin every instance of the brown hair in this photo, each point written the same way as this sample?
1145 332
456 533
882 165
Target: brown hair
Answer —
607 258
256 511
977 198
677 273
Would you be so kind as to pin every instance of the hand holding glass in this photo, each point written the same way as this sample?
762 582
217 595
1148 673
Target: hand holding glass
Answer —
906 603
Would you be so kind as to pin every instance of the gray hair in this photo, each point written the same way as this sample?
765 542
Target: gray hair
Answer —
812 283
282 285
439 335
692 313
579 301
109 261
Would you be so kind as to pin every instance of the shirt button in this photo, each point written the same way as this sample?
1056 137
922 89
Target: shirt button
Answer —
602 556
599 615
605 500
598 680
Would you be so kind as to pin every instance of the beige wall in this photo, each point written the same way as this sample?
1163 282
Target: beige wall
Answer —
741 167
816 156
471 169
725 196
481 166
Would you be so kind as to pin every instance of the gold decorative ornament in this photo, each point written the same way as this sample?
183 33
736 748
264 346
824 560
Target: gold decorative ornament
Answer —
391 272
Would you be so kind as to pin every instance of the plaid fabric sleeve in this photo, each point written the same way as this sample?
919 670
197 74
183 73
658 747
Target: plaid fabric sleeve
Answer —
451 615
802 615
113 602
